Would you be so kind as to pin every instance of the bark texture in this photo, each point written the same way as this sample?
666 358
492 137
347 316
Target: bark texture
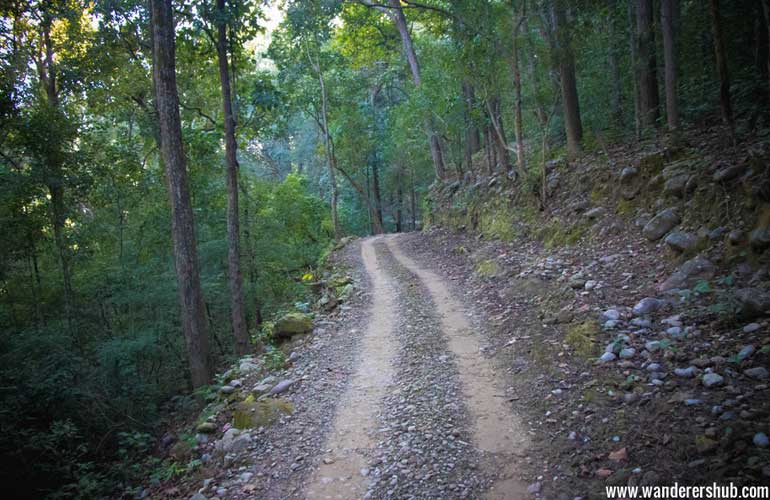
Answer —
668 8
569 94
648 82
193 310
235 275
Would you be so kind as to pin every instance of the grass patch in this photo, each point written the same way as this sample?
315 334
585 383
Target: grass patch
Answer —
557 234
487 268
582 338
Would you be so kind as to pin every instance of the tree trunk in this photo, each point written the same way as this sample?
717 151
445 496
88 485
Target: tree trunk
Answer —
235 276
766 10
669 57
406 38
399 203
472 139
635 69
614 67
518 120
377 207
648 81
721 61
569 95
193 310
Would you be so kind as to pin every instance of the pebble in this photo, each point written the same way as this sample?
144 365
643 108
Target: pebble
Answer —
281 387
648 305
688 372
611 314
758 372
760 439
607 357
627 353
712 379
751 328
674 331
745 352
534 488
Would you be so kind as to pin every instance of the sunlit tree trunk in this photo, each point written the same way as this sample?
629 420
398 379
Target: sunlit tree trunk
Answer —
193 311
235 276
472 139
518 119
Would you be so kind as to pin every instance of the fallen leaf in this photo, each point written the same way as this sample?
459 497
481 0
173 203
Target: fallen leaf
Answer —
619 455
603 473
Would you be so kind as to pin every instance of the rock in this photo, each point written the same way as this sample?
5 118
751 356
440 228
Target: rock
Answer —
627 353
717 233
198 496
729 172
611 315
751 328
590 285
758 373
760 439
628 174
534 488
227 389
281 387
207 427
247 366
745 352
681 241
292 324
607 357
262 388
648 305
674 331
759 239
255 414
603 473
688 274
713 380
652 345
596 213
675 186
754 302
619 455
662 223
234 441
641 323
688 372
735 236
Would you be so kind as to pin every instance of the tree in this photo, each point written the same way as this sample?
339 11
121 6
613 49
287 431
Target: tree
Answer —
646 71
518 120
725 104
237 313
193 313
668 8
566 64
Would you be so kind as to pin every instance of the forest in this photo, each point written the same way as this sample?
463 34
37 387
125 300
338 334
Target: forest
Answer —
172 172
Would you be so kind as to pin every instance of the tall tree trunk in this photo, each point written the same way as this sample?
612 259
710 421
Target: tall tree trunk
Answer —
55 178
472 139
498 136
725 104
399 203
193 309
614 67
669 57
413 203
648 81
766 11
377 207
398 17
518 121
631 14
569 95
235 276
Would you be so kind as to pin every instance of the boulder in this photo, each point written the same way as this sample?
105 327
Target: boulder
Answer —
662 223
754 302
760 238
675 186
256 414
648 305
729 172
293 324
689 274
681 241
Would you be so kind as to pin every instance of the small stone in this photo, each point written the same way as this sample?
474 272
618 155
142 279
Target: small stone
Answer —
674 331
207 427
641 323
688 372
751 328
611 314
662 223
603 473
681 241
619 455
760 439
729 172
590 285
607 357
692 402
534 488
759 239
281 387
713 379
227 389
198 496
754 302
627 353
596 213
648 305
758 373
745 352
652 345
